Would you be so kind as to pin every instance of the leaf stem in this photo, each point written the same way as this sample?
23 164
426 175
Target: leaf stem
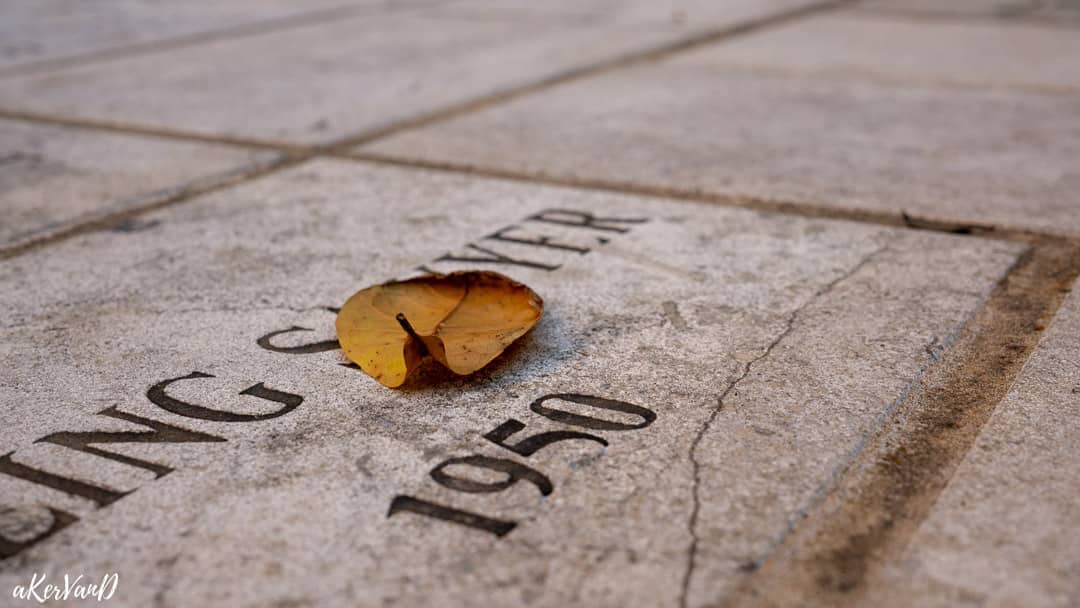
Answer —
404 322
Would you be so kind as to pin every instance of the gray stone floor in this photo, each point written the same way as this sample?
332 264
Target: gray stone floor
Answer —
806 268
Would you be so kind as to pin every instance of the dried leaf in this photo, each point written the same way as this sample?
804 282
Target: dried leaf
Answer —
463 320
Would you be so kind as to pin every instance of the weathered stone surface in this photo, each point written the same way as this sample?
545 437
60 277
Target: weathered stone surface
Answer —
33 32
52 176
687 15
808 330
1065 11
964 155
1006 530
324 81
976 53
997 8
1034 12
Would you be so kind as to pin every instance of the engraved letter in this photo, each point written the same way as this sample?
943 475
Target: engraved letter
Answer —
303 349
498 527
542 241
494 258
60 520
514 472
530 445
161 433
101 496
159 397
591 422
584 219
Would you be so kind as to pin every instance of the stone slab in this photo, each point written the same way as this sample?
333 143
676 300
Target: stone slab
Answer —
321 82
665 305
688 15
52 177
973 53
32 33
960 155
1006 530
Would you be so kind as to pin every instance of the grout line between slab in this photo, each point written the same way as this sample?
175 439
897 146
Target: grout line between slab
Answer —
149 131
242 30
884 493
153 203
632 58
296 155
342 144
869 75
897 219
1028 17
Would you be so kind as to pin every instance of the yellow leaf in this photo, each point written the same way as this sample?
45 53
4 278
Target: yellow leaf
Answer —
463 320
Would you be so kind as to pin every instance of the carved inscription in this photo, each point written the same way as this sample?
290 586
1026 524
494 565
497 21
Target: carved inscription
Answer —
592 227
159 432
593 230
514 470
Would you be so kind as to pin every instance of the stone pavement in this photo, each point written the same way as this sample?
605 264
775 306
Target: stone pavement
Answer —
806 268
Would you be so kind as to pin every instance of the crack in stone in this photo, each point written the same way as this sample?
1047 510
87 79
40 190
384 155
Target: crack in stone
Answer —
888 488
790 322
